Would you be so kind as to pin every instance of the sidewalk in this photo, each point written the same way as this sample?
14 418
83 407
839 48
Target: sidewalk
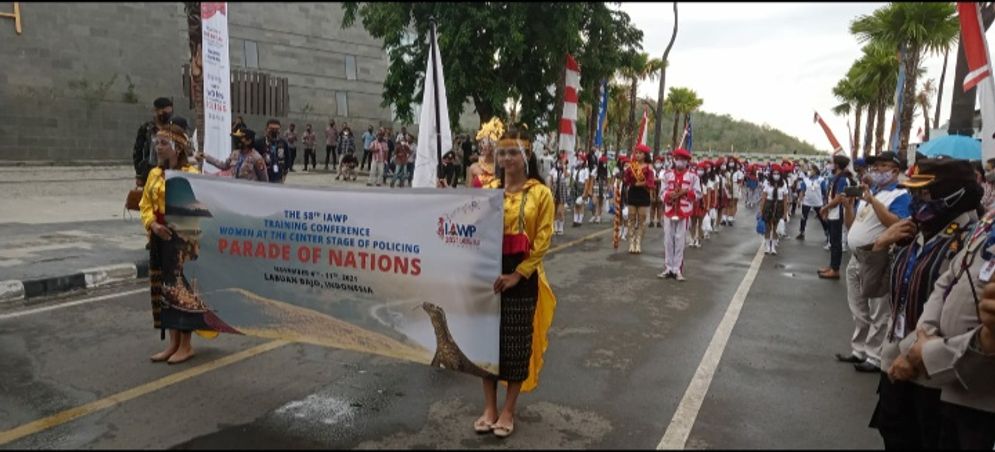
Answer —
64 228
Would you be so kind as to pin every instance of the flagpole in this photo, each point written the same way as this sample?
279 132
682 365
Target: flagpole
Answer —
435 92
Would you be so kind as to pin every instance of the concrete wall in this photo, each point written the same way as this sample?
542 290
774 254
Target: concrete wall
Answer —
51 107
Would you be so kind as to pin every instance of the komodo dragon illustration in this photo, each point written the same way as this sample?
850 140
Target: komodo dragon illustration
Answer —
447 354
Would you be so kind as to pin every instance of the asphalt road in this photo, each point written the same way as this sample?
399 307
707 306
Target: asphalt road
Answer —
624 347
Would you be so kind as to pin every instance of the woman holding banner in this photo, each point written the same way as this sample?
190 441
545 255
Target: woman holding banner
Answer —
527 302
171 145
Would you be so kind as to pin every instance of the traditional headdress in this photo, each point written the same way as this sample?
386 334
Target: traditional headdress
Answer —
492 130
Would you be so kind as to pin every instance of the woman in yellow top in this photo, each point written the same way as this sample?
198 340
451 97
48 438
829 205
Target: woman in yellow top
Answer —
171 144
481 173
527 302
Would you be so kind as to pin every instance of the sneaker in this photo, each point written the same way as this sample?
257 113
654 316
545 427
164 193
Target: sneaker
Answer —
680 277
800 237
827 247
663 275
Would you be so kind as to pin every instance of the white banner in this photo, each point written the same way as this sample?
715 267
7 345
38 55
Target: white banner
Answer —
411 278
217 81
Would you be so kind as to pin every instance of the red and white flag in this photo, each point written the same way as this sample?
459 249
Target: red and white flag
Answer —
641 136
975 45
568 121
829 134
979 71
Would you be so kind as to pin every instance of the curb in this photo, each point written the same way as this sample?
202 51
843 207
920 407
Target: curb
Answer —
87 278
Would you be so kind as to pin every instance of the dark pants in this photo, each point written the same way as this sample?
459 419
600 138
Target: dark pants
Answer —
907 415
835 244
815 210
334 154
411 172
310 155
966 428
291 157
367 160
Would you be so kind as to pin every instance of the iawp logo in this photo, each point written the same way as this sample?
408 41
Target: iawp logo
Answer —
459 234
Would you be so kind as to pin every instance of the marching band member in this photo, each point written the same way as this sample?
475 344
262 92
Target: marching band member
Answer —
680 189
640 182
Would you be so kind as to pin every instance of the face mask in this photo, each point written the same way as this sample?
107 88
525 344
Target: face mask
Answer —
776 177
164 117
701 173
658 165
927 211
990 176
680 164
273 133
881 179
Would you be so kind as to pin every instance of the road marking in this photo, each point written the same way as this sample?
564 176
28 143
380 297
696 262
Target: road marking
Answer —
169 380
580 240
71 303
138 391
677 433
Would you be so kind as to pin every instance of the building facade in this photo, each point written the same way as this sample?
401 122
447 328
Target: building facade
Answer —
80 78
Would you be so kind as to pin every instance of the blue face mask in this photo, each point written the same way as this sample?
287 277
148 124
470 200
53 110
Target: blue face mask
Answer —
927 211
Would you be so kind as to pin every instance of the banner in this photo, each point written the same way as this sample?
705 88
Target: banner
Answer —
411 278
599 137
568 120
217 81
829 134
978 63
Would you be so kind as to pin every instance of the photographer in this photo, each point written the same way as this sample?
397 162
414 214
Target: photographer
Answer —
833 213
884 204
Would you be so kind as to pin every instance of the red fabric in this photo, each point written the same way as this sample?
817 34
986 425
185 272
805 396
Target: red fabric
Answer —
676 180
572 63
160 218
570 95
566 126
829 133
975 47
516 244
207 10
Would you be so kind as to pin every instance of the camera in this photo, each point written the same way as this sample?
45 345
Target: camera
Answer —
855 191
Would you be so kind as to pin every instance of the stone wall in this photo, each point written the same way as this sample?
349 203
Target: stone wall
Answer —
64 82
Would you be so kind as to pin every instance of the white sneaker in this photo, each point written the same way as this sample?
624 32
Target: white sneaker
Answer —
663 274
827 247
680 276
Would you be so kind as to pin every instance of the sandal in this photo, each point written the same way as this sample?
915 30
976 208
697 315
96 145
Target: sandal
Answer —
481 425
502 431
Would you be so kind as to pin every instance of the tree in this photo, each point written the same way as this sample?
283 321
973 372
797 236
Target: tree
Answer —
658 131
876 72
640 67
681 102
924 98
493 52
918 28
847 93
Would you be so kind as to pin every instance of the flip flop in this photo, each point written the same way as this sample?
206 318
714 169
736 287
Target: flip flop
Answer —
502 431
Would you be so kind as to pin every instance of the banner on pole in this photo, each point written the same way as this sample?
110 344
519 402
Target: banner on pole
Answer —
217 81
426 153
320 266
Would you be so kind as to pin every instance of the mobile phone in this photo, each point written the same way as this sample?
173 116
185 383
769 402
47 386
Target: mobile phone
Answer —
853 192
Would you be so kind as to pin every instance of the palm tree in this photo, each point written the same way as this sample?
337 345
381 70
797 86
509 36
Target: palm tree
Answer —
618 107
849 95
681 102
663 83
918 28
876 72
924 98
641 67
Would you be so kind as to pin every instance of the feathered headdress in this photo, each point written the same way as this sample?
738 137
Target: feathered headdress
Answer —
493 130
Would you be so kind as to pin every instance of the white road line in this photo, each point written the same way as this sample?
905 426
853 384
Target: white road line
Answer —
71 303
677 433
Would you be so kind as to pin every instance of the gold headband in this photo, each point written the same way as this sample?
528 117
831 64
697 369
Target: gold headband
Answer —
514 143
179 138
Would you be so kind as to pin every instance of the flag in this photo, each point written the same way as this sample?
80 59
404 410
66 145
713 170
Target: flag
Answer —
568 121
829 133
641 136
433 122
602 112
979 71
686 141
849 131
896 131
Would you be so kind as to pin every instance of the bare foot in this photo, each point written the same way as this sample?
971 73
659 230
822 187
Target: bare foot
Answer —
181 356
163 355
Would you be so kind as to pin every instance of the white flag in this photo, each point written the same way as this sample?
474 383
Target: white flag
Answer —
427 161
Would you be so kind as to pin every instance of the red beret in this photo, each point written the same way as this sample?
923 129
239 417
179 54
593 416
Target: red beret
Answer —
681 153
642 148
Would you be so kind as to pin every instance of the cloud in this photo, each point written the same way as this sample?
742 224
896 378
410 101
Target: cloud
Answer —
764 62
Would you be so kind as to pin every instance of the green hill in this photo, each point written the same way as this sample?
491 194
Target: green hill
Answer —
716 132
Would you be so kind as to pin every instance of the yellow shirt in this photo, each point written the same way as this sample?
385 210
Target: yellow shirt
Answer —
539 227
154 195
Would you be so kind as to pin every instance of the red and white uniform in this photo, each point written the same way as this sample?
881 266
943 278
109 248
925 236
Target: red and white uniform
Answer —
675 180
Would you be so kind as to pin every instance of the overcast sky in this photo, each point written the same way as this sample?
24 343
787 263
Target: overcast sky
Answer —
768 63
